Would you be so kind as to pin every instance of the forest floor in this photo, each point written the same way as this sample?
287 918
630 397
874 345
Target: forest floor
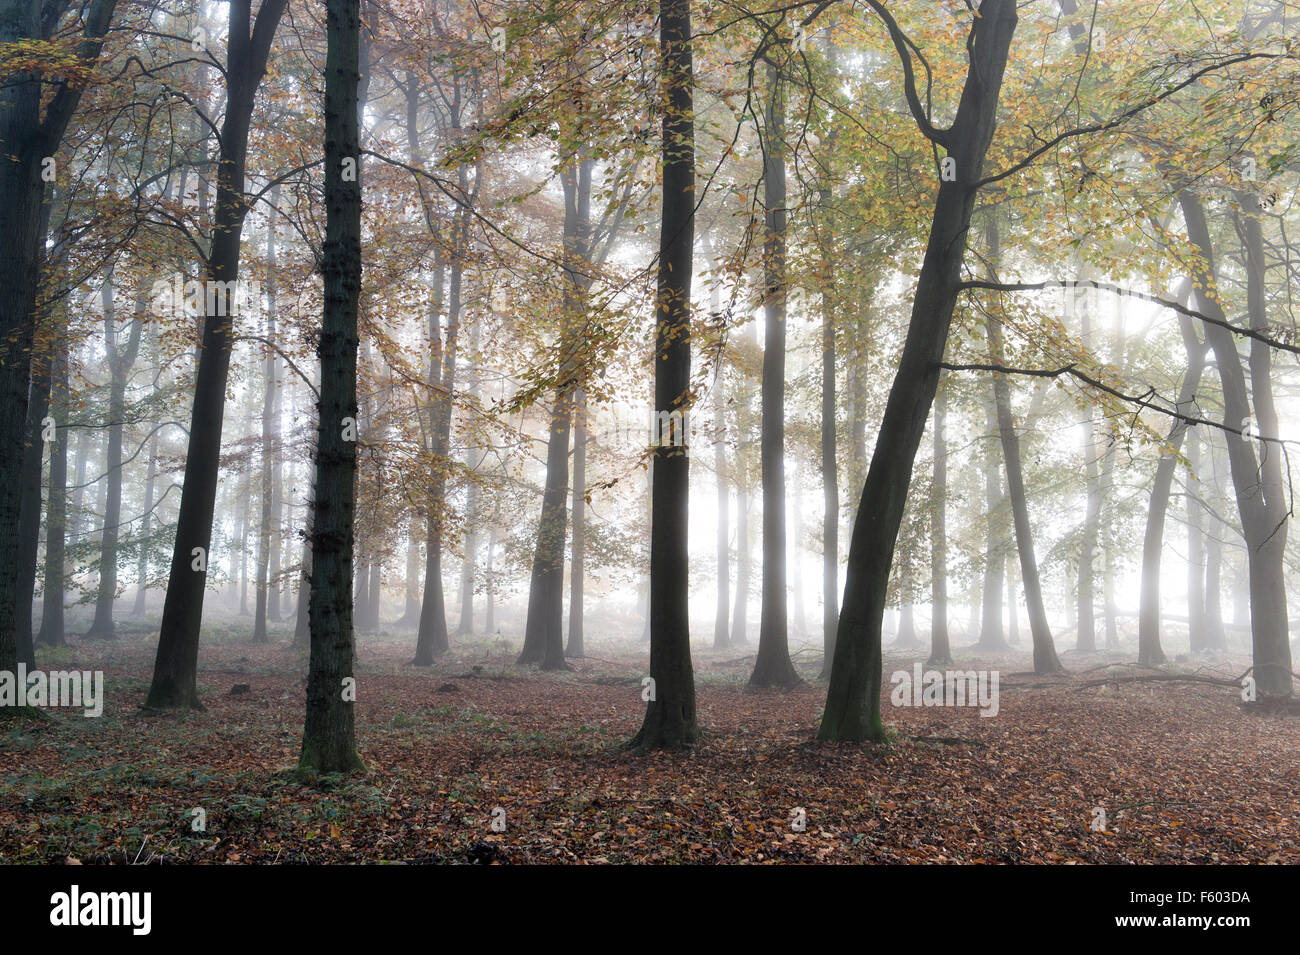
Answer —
1183 771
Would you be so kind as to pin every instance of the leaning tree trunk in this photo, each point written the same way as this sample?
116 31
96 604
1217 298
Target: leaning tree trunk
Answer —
772 667
853 699
175 676
670 715
329 735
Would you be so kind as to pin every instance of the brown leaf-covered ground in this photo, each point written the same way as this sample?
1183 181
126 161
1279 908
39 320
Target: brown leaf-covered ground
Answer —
1183 772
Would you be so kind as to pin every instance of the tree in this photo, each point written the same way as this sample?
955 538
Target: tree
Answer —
670 714
772 666
175 677
853 698
329 734
28 138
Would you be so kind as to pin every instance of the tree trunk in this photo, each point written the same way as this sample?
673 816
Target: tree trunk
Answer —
578 552
721 635
146 520
119 364
52 624
1150 653
992 633
1196 622
1045 658
940 654
543 634
329 736
670 714
772 667
176 665
270 437
853 699
1259 482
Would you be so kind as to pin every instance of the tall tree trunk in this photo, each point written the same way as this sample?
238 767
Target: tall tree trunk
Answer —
543 634
744 567
52 624
578 551
1259 482
940 654
431 639
992 633
32 455
329 736
853 698
27 138
119 364
270 437
772 667
1086 632
721 634
1150 652
1196 622
146 521
175 677
670 714
1045 658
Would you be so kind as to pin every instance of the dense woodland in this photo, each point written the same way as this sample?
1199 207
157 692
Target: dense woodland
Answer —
365 353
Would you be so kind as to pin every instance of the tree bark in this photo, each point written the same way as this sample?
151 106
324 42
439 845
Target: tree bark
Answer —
329 735
772 666
940 654
670 714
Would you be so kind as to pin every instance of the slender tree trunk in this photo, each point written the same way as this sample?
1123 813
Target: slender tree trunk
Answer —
1086 633
146 520
329 736
744 569
32 455
940 654
270 437
543 634
1045 658
670 714
1196 622
52 624
577 561
411 613
721 635
120 363
992 633
1150 652
175 677
772 667
431 639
